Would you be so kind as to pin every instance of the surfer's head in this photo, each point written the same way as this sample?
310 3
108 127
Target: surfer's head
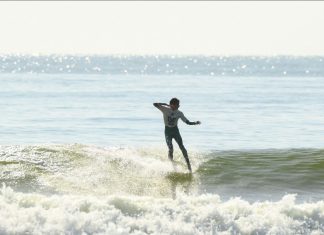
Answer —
174 103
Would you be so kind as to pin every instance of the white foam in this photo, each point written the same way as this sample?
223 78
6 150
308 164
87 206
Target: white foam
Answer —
23 213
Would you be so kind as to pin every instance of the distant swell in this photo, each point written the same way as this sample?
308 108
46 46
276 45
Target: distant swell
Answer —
165 65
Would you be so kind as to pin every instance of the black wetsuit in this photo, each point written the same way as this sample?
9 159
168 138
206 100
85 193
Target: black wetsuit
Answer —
173 133
171 130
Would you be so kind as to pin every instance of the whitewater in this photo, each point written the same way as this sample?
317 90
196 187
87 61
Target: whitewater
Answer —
78 189
82 148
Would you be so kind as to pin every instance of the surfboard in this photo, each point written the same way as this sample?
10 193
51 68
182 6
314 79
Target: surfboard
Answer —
179 176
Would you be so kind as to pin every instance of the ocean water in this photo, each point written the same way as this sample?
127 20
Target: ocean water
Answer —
82 148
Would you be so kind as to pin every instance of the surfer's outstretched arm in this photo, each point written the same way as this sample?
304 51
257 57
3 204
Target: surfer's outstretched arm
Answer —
185 120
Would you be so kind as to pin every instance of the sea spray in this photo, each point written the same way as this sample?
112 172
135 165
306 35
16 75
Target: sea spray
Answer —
89 169
86 169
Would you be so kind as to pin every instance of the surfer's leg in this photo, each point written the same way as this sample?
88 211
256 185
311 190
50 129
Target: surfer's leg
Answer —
178 139
168 139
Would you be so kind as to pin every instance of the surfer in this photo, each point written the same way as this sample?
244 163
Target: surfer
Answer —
171 114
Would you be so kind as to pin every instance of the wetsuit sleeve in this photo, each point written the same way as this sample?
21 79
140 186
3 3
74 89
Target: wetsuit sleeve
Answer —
184 119
191 123
160 107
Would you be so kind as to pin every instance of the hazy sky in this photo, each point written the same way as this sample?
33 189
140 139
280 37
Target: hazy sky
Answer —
211 28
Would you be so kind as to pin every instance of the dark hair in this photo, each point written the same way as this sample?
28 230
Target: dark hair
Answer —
174 101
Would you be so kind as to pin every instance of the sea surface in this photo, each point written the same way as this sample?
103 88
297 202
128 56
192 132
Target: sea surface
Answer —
82 148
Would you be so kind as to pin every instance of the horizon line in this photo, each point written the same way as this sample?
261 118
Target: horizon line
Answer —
155 55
